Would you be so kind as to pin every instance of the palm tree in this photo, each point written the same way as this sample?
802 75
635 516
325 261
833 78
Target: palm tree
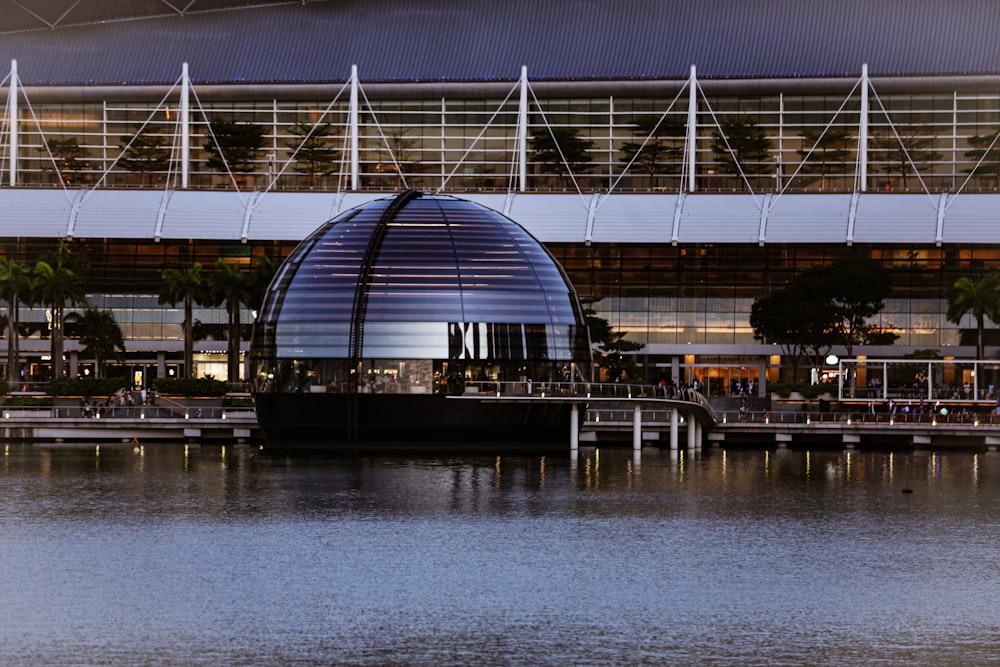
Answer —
100 337
57 282
981 297
15 289
229 285
187 286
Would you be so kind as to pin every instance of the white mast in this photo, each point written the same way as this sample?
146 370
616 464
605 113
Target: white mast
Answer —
14 122
692 128
353 120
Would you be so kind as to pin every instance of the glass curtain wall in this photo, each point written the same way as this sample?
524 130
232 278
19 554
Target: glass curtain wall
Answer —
782 142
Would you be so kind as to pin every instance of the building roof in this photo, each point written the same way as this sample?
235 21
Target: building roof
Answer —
886 218
228 41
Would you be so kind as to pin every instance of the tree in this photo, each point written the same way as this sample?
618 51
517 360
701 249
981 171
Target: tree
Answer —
67 157
981 297
233 146
100 337
741 146
147 153
656 152
188 287
912 149
15 288
610 344
58 281
313 150
985 147
791 317
560 150
855 288
823 151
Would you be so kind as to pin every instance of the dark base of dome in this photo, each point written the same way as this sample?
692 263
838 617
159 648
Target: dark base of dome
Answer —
364 423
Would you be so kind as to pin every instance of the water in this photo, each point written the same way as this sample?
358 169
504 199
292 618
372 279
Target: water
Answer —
225 556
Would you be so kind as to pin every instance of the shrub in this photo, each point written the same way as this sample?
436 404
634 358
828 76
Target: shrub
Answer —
190 387
84 386
237 402
27 402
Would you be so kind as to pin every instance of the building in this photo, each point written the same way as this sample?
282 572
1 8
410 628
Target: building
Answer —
384 314
679 159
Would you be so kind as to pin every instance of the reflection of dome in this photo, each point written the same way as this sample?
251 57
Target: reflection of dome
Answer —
390 307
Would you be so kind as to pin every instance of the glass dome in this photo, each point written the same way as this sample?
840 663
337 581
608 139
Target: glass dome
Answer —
417 295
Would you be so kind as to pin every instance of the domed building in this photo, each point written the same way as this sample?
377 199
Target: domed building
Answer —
388 312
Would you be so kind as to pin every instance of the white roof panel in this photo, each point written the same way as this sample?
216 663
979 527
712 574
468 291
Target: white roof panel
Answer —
205 215
40 213
800 218
630 218
105 214
972 219
552 218
719 219
896 218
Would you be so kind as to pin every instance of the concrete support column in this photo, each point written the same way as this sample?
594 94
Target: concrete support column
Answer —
692 425
161 364
851 440
697 434
574 428
74 363
762 389
674 419
637 428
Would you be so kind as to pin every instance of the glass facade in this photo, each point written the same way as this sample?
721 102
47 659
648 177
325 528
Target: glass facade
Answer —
932 136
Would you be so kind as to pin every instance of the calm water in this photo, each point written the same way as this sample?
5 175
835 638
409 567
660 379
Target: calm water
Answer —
225 556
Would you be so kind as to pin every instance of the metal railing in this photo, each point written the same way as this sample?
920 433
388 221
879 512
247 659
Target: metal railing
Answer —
130 412
798 417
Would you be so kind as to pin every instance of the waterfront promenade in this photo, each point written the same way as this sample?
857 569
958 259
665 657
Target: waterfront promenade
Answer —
139 425
606 415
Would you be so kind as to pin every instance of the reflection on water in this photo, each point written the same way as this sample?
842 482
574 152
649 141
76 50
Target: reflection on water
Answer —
171 555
